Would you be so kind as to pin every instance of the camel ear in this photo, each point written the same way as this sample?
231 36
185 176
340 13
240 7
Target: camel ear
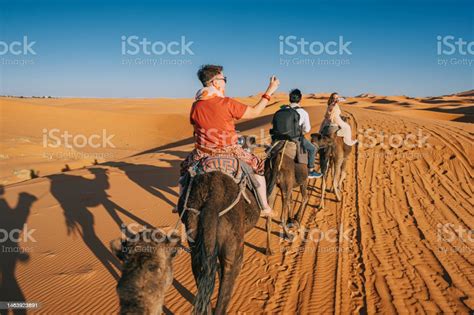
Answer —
116 246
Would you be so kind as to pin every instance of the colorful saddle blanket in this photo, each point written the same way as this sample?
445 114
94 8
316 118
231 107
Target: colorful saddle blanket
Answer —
237 169
226 164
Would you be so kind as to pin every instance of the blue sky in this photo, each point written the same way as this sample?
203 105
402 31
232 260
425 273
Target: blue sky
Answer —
78 46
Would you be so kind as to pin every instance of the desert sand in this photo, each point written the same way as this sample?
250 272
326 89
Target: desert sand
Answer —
384 253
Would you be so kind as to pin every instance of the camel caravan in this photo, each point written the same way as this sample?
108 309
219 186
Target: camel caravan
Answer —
225 188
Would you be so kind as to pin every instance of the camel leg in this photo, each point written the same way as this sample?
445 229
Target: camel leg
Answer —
231 264
285 196
333 171
271 201
336 180
291 210
268 250
343 173
304 201
323 191
284 209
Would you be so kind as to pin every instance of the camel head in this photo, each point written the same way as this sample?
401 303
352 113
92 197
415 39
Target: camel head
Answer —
147 270
320 141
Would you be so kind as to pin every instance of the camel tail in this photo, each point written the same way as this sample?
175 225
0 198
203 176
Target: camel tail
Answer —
205 256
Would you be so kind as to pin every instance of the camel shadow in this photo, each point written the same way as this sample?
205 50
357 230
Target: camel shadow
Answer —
183 291
259 249
76 194
10 253
275 233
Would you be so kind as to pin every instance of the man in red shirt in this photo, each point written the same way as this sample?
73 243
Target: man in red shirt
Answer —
213 116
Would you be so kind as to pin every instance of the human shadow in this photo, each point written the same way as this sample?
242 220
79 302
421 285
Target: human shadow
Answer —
76 194
155 180
13 219
159 180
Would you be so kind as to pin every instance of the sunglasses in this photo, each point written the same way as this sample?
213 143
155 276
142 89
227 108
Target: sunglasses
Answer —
224 79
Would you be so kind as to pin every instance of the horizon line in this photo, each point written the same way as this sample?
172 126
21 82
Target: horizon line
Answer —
247 96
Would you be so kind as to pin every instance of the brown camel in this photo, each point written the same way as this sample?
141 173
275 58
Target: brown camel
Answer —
333 155
287 175
147 270
213 237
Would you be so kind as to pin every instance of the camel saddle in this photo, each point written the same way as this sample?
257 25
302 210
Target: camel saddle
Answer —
329 129
293 149
237 169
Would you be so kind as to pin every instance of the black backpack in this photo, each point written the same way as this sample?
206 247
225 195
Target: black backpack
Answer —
286 124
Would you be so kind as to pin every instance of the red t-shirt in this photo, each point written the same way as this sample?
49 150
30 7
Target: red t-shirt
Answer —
213 121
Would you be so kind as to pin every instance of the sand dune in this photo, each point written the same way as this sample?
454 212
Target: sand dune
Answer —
382 251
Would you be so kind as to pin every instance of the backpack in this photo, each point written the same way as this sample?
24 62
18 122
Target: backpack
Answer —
286 124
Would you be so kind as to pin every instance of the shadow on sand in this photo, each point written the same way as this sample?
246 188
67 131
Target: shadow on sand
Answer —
11 220
75 195
154 179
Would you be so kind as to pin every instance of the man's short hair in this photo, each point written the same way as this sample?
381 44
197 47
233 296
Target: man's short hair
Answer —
207 72
295 96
